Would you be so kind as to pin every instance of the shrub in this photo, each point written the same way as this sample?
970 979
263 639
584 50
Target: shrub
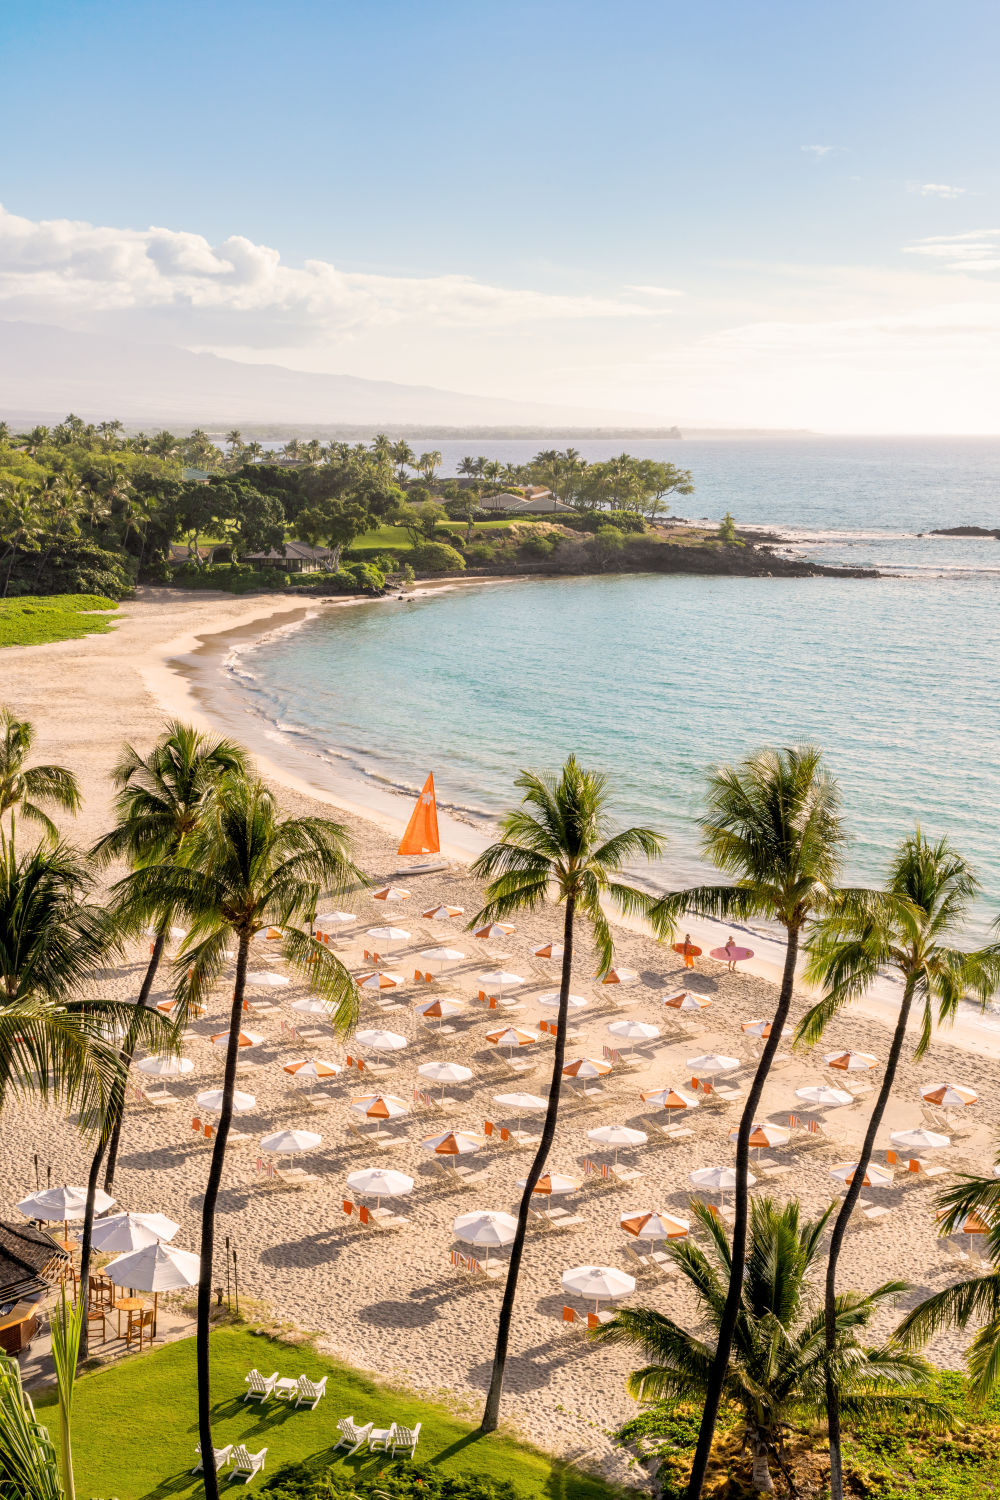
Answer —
72 566
627 521
413 1481
537 548
727 531
436 557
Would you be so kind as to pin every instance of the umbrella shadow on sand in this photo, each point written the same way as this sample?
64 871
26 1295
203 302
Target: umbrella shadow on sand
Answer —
398 1314
312 1250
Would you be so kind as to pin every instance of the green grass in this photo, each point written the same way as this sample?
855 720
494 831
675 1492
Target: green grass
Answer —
135 1424
381 539
55 617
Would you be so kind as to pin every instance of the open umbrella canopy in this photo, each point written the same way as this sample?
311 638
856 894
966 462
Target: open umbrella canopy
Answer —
598 1282
824 1094
454 1143
552 1185
549 950
949 1095
512 1036
763 1133
669 1098
500 977
850 1062
379 979
211 1100
762 1028
526 1102
267 979
380 1041
166 1067
62 1203
875 1176
717 1179
380 1106
156 1268
634 1031
919 1139
550 1000
388 934
329 920
686 1000
442 955
311 1005
311 1067
390 894
445 1072
123 1233
438 1009
586 1067
443 913
975 1224
618 976
658 1225
287 1142
245 1039
617 1135
486 1227
711 1063
495 930
379 1182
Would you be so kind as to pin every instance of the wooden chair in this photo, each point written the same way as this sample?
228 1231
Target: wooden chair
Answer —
140 1326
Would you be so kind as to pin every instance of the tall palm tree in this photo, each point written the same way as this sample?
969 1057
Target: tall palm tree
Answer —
775 1374
403 457
558 840
975 1299
773 822
907 928
246 868
23 787
161 800
428 464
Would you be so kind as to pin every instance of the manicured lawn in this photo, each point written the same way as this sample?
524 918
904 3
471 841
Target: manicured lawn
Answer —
53 617
381 539
135 1424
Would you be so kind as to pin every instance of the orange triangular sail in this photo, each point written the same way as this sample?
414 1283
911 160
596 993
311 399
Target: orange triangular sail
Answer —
421 836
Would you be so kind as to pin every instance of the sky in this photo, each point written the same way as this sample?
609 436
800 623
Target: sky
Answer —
763 214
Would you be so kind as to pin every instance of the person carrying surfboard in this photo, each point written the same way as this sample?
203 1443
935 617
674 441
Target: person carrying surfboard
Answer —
689 950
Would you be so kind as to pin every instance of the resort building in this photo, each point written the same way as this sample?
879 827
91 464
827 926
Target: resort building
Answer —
297 557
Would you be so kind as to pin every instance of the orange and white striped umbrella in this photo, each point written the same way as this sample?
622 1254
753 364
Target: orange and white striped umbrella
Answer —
549 950
619 976
764 1134
552 1185
391 893
762 1029
380 1106
586 1067
685 1000
669 1099
657 1225
438 1009
443 913
949 1095
379 979
245 1039
875 1176
975 1224
312 1067
495 930
851 1062
454 1143
512 1036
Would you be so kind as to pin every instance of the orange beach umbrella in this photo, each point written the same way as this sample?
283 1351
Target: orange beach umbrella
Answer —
443 913
421 835
669 1099
391 893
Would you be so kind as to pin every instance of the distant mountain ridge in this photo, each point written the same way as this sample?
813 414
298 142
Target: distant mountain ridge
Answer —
46 372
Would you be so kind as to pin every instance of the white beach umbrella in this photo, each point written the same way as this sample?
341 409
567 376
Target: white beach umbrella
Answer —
311 1005
669 1098
762 1029
711 1063
512 1036
329 921
549 950
379 1107
312 1068
381 1041
379 1183
685 1000
851 1062
875 1176
443 913
445 1072
267 979
657 1225
824 1095
61 1204
290 1142
391 894
211 1100
520 1104
552 1185
454 1143
499 980
633 1031
919 1139
157 1268
442 955
495 930
245 1039
721 1180
600 1282
379 979
949 1095
388 934
549 999
166 1067
617 1136
487 1228
123 1233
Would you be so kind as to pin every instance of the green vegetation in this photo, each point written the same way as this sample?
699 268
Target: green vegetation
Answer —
60 617
161 1387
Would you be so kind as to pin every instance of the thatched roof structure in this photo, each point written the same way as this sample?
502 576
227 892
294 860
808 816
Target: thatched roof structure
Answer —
28 1259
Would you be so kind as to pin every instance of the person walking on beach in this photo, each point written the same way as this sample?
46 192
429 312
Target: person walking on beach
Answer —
688 951
730 955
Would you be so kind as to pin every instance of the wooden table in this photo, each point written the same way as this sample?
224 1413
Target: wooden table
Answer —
127 1305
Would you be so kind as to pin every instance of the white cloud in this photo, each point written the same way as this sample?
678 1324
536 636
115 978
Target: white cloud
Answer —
819 151
655 291
936 190
977 250
69 271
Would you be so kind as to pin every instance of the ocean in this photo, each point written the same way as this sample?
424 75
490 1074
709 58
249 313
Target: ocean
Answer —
654 679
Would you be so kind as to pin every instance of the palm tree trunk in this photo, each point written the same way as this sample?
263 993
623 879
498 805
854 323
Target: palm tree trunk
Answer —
208 1224
491 1411
730 1313
128 1052
85 1243
837 1240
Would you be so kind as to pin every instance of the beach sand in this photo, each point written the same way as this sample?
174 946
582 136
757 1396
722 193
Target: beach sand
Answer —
391 1302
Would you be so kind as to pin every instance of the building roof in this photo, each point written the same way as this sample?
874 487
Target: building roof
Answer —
26 1255
300 550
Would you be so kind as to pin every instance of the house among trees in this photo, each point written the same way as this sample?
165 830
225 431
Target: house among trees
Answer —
535 500
298 557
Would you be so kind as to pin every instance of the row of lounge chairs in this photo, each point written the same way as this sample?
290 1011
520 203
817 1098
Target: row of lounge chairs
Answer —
392 1439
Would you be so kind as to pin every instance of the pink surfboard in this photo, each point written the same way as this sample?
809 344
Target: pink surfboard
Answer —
731 955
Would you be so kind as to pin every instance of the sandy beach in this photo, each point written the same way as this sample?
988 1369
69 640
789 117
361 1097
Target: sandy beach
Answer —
392 1303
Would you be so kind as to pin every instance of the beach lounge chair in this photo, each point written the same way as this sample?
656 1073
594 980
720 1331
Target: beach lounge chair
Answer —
246 1464
222 1457
352 1437
624 1175
561 1218
404 1439
260 1387
310 1392
571 1322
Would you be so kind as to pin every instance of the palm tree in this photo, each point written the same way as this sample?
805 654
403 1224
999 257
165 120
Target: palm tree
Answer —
774 823
428 464
560 838
245 868
976 1299
403 457
907 928
23 787
28 1464
775 1372
234 442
